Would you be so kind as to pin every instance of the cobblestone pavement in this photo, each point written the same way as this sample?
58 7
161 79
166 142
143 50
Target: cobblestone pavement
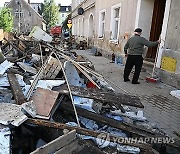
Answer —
161 108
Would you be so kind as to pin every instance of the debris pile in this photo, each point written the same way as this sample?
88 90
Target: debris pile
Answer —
53 101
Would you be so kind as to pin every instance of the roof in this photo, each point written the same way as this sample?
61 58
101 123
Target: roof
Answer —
65 9
36 3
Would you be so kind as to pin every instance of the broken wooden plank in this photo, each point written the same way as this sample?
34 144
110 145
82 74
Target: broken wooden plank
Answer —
22 46
27 68
56 144
44 101
69 148
52 68
16 89
87 132
108 121
15 47
110 97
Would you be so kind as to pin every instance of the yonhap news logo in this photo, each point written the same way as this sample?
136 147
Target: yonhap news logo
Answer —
104 140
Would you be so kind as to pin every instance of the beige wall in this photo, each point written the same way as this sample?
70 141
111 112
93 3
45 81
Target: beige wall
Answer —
127 23
144 16
81 27
83 31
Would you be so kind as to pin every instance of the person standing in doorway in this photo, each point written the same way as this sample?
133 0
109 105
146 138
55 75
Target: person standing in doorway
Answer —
134 49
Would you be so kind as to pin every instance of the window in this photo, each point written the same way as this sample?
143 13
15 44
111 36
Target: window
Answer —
115 21
79 27
67 9
62 15
17 14
101 23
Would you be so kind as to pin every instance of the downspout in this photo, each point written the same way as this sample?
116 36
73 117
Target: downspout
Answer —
137 13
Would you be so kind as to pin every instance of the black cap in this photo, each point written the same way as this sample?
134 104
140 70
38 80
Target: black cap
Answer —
139 30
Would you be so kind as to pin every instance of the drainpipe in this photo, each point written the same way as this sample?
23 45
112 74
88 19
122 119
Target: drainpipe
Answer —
19 20
138 8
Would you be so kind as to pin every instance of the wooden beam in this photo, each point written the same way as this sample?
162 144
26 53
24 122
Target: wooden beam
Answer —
56 144
69 148
110 97
18 49
108 121
87 132
16 89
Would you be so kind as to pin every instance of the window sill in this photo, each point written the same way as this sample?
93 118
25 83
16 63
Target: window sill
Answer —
113 41
101 38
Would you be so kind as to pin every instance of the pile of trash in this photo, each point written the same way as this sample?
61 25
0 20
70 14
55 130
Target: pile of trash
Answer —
53 101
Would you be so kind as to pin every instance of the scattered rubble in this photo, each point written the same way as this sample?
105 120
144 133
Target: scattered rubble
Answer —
47 90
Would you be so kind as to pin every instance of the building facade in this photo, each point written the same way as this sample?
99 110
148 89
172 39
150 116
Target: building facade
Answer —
114 23
37 7
84 25
64 11
25 17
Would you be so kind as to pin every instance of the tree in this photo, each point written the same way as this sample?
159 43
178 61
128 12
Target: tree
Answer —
6 19
50 13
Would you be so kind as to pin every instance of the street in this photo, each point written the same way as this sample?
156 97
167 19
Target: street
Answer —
161 108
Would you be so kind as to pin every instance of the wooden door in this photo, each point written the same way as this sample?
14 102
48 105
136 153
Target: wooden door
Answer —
156 26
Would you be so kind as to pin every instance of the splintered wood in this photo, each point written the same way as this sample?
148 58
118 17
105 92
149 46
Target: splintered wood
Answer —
110 97
44 101
52 68
16 89
61 144
22 46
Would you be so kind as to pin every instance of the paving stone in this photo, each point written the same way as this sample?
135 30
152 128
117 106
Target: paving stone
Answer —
160 107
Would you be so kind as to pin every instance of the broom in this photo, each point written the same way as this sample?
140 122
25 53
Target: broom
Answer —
153 78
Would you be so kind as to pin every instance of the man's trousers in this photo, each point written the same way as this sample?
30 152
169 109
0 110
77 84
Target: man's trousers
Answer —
133 60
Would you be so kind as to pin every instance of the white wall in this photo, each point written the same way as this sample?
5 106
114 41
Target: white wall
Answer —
145 13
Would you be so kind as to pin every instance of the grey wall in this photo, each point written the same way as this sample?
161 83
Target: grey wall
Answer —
173 30
172 42
28 21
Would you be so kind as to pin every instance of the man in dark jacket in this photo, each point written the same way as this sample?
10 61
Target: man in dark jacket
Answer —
134 49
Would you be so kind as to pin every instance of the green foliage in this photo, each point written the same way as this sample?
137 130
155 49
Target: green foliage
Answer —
50 13
6 19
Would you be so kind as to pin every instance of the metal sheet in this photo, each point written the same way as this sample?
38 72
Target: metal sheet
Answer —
5 144
11 114
44 101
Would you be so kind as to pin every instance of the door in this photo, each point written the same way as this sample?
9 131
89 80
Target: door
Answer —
156 26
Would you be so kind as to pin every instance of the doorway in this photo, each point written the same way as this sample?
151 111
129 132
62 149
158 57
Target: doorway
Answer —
156 26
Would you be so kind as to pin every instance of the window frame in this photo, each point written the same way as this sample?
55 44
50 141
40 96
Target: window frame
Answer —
113 20
17 14
79 27
101 22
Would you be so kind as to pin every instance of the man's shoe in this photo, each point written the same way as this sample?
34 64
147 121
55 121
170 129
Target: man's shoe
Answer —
126 80
135 82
